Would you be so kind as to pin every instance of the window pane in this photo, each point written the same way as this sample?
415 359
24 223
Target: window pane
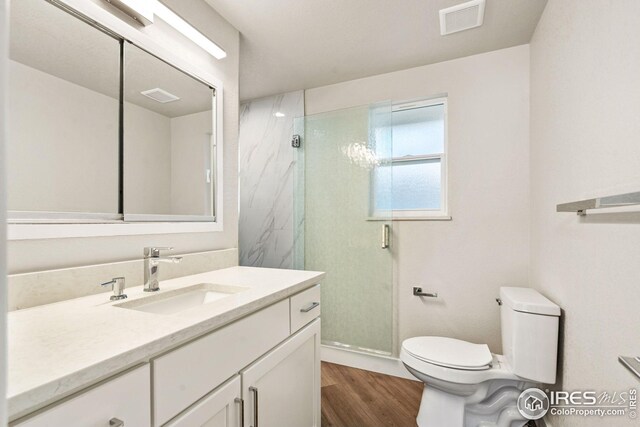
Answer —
383 188
418 131
416 185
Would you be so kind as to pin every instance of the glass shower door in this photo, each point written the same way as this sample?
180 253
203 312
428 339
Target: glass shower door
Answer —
342 185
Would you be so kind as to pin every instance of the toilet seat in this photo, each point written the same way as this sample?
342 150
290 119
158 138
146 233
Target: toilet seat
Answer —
499 369
449 353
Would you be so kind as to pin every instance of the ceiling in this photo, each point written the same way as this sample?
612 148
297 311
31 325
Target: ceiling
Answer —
299 44
53 41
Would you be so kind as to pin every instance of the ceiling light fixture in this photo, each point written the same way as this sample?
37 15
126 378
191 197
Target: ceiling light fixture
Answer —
279 114
171 18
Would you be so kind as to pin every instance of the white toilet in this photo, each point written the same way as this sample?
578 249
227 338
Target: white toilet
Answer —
466 385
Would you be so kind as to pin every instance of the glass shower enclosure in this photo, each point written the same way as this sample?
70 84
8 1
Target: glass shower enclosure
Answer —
342 192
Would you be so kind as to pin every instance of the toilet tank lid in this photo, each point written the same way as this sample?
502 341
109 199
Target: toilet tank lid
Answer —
528 300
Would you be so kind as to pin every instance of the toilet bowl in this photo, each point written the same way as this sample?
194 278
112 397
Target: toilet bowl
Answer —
468 386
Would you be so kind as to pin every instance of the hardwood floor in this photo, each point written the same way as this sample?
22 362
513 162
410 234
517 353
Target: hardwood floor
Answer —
356 398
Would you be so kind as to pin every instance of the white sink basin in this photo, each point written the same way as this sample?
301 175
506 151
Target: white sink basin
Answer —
182 299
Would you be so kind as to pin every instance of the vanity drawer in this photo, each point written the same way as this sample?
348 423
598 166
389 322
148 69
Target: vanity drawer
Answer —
126 398
305 307
186 374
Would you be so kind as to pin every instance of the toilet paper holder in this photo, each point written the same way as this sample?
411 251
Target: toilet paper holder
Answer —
417 291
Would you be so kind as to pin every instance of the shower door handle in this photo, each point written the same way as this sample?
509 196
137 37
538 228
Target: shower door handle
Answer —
385 236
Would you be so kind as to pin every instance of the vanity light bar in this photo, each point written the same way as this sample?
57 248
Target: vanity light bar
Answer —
171 18
144 11
140 10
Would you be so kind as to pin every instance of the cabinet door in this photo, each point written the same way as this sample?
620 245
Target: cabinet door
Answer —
123 401
282 389
220 408
183 376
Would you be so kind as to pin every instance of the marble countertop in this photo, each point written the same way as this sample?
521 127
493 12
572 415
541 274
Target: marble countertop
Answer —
58 349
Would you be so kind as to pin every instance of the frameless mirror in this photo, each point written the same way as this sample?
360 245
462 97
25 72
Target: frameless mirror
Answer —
64 77
169 142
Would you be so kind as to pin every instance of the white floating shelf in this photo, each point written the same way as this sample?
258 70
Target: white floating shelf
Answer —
628 199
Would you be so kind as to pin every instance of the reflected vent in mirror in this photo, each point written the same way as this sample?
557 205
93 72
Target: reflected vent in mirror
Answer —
160 95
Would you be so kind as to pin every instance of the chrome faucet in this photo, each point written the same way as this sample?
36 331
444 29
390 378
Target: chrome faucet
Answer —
151 260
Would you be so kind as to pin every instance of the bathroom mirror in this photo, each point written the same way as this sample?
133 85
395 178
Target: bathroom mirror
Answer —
64 79
169 148
115 133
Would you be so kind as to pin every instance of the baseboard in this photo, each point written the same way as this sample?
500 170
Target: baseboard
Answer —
376 363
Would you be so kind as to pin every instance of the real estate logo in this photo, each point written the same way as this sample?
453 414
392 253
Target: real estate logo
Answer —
533 403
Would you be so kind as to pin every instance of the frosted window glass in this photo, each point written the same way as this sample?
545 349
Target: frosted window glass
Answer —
417 185
418 131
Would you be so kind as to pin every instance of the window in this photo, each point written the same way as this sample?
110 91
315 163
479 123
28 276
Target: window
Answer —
418 162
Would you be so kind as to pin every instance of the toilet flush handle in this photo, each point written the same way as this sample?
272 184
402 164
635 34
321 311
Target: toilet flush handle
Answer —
499 301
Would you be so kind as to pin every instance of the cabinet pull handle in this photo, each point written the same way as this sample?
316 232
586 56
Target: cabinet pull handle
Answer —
255 406
309 307
240 402
116 422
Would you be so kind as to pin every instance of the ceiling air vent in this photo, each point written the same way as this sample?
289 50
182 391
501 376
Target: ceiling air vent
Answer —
461 17
160 95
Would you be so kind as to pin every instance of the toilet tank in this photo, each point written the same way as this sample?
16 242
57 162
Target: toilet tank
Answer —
529 324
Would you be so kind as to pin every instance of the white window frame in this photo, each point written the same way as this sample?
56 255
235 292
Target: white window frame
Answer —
426 214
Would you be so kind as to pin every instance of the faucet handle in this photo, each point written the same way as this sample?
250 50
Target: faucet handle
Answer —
117 285
154 251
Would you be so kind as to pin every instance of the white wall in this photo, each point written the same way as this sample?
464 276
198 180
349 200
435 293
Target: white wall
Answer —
47 254
61 131
190 147
585 142
4 19
147 161
486 245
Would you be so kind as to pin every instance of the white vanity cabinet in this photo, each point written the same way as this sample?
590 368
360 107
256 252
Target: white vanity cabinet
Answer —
282 389
183 376
121 402
221 408
278 361
261 370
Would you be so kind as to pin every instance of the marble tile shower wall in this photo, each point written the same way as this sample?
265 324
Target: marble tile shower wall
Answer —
267 160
